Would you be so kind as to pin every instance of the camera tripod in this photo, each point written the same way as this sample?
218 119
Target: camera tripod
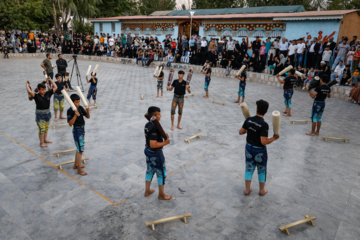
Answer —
78 76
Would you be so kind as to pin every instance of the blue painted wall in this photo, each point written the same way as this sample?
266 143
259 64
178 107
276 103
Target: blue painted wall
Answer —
300 29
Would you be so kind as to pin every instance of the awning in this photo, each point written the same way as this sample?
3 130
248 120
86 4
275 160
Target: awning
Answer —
308 18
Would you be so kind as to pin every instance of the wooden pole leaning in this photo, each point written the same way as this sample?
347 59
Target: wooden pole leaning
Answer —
196 136
65 151
295 121
334 138
59 125
308 219
222 103
59 166
163 220
190 95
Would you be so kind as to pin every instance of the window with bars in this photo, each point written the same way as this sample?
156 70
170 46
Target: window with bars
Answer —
227 33
147 31
127 31
276 33
242 33
212 32
137 31
158 31
259 33
169 31
113 27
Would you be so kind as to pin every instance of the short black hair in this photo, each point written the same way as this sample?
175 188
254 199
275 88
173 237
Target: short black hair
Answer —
292 71
59 54
181 72
153 110
58 75
47 55
325 78
262 106
93 74
74 97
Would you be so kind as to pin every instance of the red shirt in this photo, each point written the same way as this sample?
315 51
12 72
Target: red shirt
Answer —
356 56
173 45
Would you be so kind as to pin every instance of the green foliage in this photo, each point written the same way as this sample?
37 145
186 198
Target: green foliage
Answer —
81 27
146 7
211 4
260 3
343 4
25 15
113 8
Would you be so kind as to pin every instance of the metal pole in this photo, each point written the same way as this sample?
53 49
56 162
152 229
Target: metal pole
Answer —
190 32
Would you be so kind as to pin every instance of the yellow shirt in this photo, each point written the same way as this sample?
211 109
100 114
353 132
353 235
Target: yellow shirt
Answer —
31 36
101 40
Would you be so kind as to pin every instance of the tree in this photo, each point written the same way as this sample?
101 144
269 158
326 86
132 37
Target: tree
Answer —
25 15
343 4
210 4
308 4
113 8
146 7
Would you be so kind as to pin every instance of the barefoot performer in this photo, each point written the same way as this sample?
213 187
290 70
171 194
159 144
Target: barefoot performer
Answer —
255 151
93 87
320 94
160 81
42 113
58 97
76 119
155 160
178 100
242 77
207 73
288 90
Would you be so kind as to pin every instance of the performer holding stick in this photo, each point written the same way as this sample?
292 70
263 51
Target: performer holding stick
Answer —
288 90
58 97
93 87
42 113
178 100
207 73
76 119
160 81
242 77
319 95
155 160
255 151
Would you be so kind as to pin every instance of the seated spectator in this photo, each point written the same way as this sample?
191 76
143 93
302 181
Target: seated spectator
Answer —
345 80
170 59
338 73
309 77
355 78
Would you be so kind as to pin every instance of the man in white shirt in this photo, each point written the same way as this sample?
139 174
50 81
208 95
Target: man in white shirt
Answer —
230 46
292 51
284 47
338 73
300 52
111 41
203 45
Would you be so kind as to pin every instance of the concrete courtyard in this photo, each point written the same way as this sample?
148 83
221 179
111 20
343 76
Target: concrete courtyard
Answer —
306 175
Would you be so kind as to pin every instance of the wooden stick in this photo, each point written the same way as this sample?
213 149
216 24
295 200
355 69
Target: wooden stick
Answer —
142 97
196 136
163 220
285 70
65 151
294 121
307 219
334 138
59 166
94 106
222 103
190 95
59 125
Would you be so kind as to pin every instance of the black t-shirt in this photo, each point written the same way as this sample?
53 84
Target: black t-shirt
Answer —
92 83
180 87
60 86
243 75
43 102
208 71
80 119
289 82
256 128
151 133
322 92
161 75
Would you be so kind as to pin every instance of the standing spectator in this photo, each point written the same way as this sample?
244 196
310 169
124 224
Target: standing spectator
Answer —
326 56
128 41
268 45
284 47
353 42
291 52
356 59
203 45
276 45
300 52
256 47
343 48
123 40
47 66
350 56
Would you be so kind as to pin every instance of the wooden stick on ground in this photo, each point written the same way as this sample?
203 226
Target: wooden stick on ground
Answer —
94 107
190 95
142 97
222 103
59 125
334 138
294 121
65 151
59 166
163 220
196 136
307 219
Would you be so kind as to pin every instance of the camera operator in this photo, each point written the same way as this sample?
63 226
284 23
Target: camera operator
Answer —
61 67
